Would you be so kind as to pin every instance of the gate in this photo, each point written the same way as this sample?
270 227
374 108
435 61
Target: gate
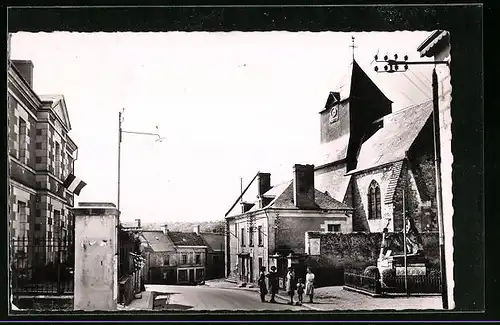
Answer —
42 266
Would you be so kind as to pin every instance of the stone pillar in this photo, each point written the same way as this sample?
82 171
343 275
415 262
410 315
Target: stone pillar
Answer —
96 256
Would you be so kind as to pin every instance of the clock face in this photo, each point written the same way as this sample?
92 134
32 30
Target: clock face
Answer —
334 114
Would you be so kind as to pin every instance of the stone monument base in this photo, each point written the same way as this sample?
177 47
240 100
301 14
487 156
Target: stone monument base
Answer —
415 264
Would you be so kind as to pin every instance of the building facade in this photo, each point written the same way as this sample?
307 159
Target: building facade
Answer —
270 231
173 257
437 46
215 254
41 156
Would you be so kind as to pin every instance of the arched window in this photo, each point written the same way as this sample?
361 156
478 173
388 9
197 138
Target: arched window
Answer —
374 208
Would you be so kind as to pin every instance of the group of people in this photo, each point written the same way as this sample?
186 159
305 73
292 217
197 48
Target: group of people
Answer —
292 284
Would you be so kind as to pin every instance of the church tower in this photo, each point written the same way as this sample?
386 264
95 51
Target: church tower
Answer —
350 115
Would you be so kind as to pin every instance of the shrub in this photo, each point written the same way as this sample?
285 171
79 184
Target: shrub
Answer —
434 274
372 271
389 277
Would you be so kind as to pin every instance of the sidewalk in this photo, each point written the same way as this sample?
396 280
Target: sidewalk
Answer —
335 298
145 303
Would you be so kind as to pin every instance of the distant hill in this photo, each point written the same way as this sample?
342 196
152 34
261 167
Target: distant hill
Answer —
205 226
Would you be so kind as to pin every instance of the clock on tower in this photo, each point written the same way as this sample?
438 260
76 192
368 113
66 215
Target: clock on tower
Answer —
334 114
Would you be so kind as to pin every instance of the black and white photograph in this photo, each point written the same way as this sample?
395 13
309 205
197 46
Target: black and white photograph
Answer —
230 171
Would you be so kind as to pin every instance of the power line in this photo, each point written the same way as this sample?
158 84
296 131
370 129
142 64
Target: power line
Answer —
427 87
423 92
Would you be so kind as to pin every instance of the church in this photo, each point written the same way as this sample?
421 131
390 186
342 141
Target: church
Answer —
375 159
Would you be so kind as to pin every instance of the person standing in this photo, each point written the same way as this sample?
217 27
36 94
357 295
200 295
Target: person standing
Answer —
290 284
300 291
273 283
262 284
310 284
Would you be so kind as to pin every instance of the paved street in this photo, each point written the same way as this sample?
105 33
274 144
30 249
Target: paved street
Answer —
208 298
221 295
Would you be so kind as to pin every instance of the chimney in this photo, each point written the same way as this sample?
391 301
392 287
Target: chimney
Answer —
164 228
196 229
264 181
303 186
25 68
138 223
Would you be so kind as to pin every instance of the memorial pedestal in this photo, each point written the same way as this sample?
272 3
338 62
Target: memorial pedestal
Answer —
415 265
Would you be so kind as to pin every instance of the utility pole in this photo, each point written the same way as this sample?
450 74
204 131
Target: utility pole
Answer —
120 120
405 250
392 66
120 133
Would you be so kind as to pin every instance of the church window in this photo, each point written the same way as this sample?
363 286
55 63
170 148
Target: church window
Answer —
374 207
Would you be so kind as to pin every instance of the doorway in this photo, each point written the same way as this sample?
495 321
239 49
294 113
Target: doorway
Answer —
251 269
191 276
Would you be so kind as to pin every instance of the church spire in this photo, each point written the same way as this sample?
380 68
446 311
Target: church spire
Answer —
353 47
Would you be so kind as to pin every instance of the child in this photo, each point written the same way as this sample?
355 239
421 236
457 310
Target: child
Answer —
300 291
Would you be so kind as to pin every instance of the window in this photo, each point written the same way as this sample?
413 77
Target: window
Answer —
38 131
333 228
23 221
22 140
184 259
250 236
58 161
37 226
198 259
183 275
38 160
49 235
166 260
38 145
260 263
259 235
242 236
374 208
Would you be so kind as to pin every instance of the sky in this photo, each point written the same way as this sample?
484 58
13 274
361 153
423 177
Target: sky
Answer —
227 104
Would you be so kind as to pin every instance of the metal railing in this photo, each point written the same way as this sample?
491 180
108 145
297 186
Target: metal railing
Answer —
42 266
416 284
361 282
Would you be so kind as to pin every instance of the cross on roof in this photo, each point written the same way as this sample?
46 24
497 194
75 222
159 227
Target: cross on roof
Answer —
353 47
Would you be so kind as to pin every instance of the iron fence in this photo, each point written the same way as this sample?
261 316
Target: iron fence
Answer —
415 283
362 282
42 266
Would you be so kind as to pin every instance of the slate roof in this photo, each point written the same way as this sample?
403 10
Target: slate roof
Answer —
186 238
334 150
157 241
213 240
324 201
336 184
390 143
